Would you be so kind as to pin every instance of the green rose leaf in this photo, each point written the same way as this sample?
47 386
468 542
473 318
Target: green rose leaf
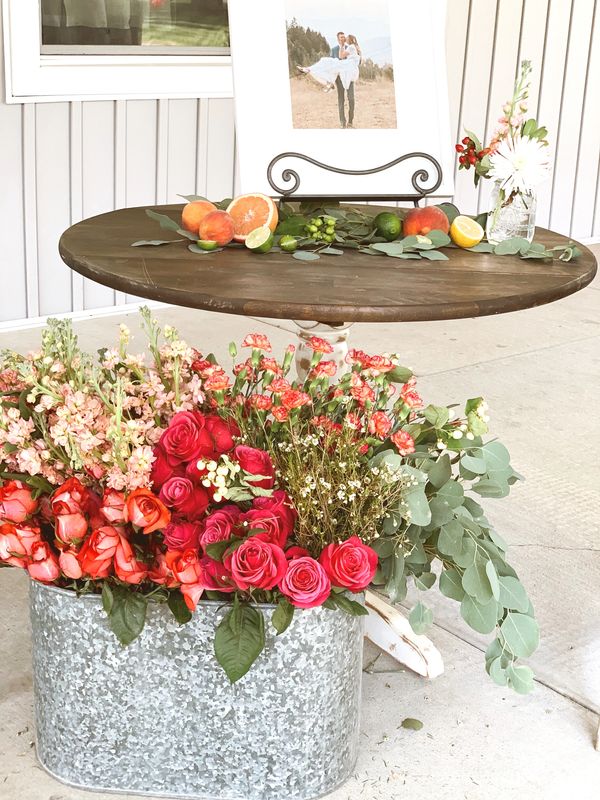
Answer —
178 607
520 678
521 634
481 617
350 606
239 639
512 594
451 584
127 614
107 598
282 616
420 618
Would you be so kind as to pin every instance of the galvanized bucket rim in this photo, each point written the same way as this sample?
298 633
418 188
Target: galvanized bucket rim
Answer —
98 598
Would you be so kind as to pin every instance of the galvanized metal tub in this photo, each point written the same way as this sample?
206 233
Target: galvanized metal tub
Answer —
160 717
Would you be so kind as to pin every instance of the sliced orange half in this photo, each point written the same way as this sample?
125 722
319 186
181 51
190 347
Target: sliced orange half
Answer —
252 211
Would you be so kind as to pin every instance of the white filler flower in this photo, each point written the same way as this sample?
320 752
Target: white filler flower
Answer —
521 164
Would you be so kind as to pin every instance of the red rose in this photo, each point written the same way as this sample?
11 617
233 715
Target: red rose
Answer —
161 467
350 565
281 506
306 583
16 501
127 567
219 526
217 576
183 439
146 511
181 494
266 525
296 552
16 544
182 535
70 498
71 528
256 462
97 552
69 565
257 564
221 433
43 566
113 506
185 565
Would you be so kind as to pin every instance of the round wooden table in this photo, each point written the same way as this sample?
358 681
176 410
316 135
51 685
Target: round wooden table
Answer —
334 290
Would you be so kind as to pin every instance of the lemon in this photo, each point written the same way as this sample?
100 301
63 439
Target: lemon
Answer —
288 244
465 232
206 244
387 225
260 240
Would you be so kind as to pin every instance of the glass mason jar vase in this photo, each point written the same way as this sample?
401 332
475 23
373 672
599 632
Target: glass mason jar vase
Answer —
511 215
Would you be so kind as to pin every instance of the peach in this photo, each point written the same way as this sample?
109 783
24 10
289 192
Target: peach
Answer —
217 226
193 214
420 221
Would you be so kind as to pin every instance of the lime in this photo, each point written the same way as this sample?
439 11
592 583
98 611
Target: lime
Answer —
288 244
465 232
207 244
387 225
260 240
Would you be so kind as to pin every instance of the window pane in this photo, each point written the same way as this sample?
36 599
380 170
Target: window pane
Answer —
97 25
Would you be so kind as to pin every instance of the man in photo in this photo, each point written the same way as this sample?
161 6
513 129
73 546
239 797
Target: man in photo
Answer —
340 51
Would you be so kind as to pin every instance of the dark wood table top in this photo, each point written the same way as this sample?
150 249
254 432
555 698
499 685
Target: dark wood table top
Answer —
350 288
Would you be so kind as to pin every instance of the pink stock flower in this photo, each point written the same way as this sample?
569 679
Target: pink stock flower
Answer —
305 584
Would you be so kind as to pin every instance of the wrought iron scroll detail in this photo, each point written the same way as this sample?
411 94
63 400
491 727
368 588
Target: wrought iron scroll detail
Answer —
291 179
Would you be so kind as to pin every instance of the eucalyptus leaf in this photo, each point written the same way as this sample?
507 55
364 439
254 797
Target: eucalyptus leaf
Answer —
521 634
420 618
164 221
389 248
476 583
510 247
434 255
481 617
520 678
497 672
451 584
305 255
154 242
193 248
425 581
512 594
493 579
332 251
450 538
441 472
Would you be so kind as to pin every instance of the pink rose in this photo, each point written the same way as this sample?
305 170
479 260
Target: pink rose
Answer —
281 506
219 526
113 507
43 566
181 494
16 501
257 564
305 584
127 567
218 578
182 535
350 565
69 565
16 544
71 527
256 462
266 525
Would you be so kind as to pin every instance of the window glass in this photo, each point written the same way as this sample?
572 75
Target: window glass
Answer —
96 26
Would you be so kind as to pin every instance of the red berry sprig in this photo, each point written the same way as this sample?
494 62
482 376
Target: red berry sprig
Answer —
469 155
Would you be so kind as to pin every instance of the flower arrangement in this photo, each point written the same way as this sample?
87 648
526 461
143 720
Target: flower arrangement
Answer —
176 480
518 155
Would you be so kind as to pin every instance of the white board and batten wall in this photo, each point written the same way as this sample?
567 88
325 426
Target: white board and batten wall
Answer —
63 161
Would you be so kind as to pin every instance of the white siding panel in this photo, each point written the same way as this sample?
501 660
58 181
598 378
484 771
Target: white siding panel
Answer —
53 186
220 150
13 303
181 159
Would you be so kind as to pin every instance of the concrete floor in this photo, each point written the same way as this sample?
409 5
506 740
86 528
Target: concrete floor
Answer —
540 372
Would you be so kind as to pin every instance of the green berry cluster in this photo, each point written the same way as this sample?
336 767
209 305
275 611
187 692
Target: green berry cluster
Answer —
321 229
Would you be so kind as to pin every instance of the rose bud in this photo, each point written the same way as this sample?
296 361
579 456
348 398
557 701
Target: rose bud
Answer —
113 506
182 535
305 584
144 510
43 566
296 552
71 528
257 564
127 567
16 501
256 462
350 565
69 565
97 552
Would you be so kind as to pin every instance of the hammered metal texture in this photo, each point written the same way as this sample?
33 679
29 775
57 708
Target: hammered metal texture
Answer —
160 717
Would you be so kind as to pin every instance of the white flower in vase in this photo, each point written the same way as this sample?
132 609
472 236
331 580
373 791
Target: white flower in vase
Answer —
520 164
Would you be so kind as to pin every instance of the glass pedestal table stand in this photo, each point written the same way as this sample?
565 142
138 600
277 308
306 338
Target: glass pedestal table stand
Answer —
324 297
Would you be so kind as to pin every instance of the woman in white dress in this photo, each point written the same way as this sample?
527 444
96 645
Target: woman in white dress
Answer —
327 70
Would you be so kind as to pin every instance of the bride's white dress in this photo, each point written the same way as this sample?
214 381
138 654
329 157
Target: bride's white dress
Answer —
327 70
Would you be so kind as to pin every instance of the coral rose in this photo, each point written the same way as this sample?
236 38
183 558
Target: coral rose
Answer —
16 544
160 572
43 566
127 567
16 501
192 592
70 498
257 564
185 565
306 584
69 565
350 565
97 552
71 528
146 511
113 506
185 498
256 462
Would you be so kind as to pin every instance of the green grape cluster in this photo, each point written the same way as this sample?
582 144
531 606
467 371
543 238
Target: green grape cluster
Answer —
321 229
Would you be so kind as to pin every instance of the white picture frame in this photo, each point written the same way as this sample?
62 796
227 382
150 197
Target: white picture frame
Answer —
264 120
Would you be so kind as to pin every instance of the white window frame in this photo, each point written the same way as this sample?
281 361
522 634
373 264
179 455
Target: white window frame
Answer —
32 77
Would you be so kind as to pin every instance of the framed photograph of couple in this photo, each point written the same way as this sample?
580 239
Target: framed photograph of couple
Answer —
332 96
